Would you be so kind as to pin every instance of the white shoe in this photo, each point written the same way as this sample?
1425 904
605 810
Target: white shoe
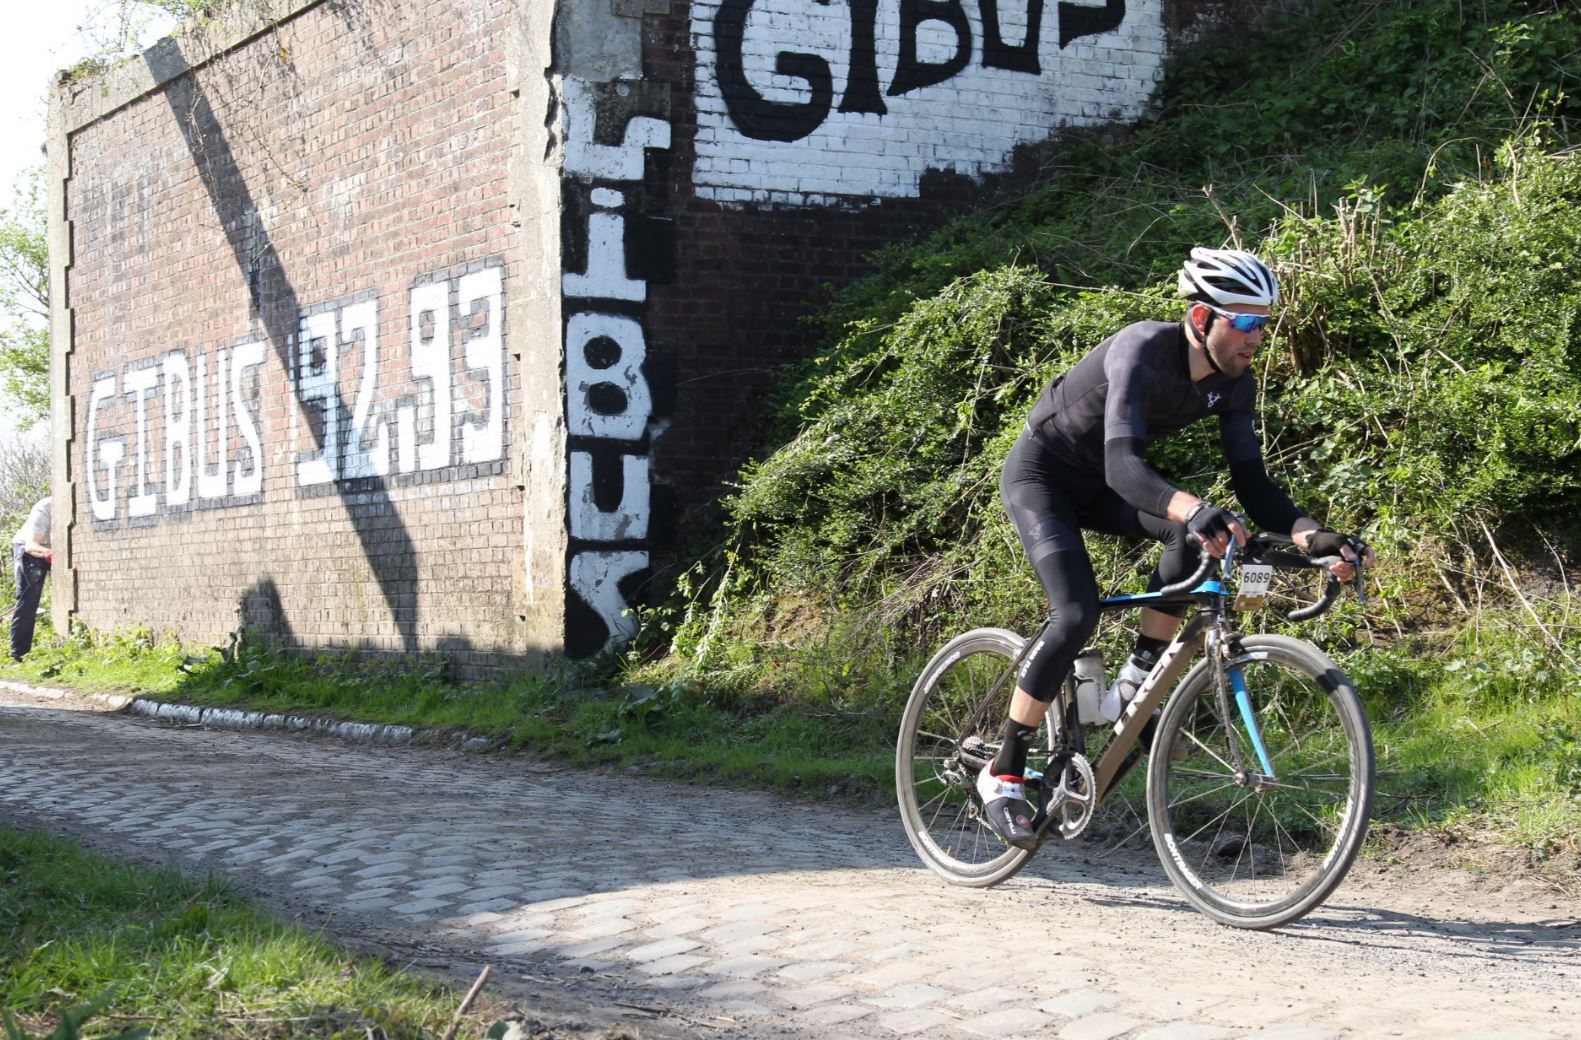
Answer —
1005 808
991 787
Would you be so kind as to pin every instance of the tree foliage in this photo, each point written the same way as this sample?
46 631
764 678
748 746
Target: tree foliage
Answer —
24 298
24 477
112 30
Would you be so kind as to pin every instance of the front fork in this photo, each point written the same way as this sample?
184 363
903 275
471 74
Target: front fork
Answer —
1227 654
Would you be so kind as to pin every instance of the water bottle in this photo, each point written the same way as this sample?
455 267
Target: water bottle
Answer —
1090 685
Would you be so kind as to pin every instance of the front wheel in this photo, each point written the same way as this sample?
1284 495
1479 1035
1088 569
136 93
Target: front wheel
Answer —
950 729
1257 838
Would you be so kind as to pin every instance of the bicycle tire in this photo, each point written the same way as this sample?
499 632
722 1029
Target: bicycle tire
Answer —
935 789
1261 858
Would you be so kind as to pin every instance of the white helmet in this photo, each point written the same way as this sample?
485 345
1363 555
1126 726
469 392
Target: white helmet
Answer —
1226 276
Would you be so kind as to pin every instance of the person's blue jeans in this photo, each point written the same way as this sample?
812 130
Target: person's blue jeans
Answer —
30 574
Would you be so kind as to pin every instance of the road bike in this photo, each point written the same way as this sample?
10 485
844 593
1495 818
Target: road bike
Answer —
1258 807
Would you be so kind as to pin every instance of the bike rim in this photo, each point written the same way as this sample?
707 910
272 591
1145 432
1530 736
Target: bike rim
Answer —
939 790
1253 848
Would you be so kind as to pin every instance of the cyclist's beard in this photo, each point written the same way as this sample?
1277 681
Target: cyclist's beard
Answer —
1223 365
1224 360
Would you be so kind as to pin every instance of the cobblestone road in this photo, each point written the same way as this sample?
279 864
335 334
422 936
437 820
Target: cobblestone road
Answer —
740 914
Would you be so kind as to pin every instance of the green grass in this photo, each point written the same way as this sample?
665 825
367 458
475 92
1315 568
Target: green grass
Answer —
184 959
1487 752
674 729
1478 737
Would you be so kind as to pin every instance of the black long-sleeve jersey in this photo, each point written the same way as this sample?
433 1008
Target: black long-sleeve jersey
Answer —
1135 387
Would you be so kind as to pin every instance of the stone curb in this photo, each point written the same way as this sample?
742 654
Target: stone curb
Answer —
113 700
236 719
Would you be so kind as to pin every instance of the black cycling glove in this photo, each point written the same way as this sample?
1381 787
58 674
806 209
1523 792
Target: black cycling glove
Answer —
1324 542
1206 521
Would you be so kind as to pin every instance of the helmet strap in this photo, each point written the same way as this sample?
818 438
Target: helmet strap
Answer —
1202 338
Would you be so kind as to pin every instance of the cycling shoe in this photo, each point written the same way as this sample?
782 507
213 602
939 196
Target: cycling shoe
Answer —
1006 809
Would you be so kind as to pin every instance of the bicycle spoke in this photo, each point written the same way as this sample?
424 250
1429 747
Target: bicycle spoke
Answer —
949 730
1201 795
1209 847
1208 751
1220 819
1260 851
1284 785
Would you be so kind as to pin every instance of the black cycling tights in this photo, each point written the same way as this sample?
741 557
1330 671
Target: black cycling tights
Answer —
1050 504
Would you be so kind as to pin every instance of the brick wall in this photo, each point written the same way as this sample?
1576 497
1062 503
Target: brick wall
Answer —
288 279
772 188
436 325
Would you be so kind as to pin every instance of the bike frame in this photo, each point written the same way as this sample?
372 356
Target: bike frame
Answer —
1245 847
1172 664
1204 629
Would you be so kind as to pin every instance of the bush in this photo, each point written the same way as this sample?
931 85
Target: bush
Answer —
1420 384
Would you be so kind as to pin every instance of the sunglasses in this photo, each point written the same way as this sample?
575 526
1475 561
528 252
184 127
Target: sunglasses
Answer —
1242 322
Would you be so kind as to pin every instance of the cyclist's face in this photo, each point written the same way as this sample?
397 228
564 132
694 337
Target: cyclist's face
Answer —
1231 351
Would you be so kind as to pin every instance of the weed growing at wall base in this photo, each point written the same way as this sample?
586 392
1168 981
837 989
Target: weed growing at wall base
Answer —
679 730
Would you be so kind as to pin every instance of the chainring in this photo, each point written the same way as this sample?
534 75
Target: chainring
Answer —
1076 797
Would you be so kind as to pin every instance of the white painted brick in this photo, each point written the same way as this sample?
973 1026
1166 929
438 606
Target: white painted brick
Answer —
970 123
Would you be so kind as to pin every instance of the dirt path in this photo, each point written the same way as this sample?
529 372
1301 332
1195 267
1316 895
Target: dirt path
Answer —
690 911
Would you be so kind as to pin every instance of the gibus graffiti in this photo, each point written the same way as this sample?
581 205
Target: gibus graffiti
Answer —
608 402
800 100
187 430
196 445
760 118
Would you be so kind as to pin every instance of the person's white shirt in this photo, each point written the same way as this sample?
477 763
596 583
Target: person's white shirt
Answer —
35 530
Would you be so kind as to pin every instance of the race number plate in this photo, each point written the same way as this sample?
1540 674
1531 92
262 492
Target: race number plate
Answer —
1252 588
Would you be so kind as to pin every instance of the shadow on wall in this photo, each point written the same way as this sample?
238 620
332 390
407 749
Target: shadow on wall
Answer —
262 613
262 621
386 543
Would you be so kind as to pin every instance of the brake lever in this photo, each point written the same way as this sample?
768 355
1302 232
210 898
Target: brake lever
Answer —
1357 581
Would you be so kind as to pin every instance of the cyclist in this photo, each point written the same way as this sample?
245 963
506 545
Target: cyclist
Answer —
1079 464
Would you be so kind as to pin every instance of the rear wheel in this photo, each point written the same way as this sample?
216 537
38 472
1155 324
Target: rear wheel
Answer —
1250 849
950 729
